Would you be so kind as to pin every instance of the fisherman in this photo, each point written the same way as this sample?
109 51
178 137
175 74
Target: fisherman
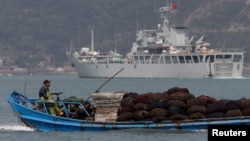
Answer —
45 96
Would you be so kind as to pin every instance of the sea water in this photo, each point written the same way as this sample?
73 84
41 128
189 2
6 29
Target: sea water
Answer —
71 85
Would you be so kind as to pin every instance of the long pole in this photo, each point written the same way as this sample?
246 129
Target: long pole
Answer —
97 90
25 82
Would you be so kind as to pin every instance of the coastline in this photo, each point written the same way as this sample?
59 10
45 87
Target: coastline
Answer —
68 70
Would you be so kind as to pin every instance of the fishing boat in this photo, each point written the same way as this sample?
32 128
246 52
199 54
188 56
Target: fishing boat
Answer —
162 52
103 113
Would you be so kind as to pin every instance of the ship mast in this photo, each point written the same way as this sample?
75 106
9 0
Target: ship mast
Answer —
92 40
115 41
165 13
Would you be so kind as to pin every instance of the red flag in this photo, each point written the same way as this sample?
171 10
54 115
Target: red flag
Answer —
174 6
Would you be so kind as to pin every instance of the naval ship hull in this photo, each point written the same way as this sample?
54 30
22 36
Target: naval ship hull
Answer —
194 70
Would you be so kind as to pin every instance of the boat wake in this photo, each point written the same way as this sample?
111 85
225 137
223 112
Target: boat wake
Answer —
14 128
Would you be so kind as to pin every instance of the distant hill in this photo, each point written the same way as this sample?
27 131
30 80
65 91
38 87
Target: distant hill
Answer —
40 31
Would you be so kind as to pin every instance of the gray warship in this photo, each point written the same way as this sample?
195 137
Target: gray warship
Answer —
165 52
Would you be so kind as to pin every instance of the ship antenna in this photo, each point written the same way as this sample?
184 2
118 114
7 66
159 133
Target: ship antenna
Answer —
71 44
136 21
168 3
92 39
115 40
223 46
79 39
137 24
155 6
177 7
71 47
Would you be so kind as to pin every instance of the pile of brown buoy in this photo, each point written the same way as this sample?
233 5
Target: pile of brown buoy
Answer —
178 104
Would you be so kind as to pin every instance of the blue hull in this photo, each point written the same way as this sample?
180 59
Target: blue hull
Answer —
40 121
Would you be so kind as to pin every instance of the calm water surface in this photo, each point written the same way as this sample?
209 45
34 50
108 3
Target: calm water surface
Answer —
12 130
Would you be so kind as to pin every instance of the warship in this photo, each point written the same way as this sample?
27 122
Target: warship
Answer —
162 52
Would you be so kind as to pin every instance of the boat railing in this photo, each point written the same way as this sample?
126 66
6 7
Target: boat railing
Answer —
65 106
232 50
